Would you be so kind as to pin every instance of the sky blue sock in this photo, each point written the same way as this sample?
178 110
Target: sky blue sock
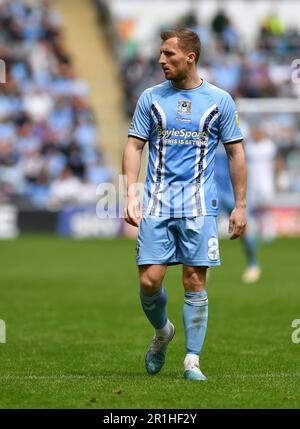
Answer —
154 307
250 246
195 314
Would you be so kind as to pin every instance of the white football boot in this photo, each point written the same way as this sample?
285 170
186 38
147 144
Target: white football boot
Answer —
251 274
191 368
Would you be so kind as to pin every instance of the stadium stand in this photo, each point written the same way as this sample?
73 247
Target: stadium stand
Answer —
252 59
49 142
263 70
250 71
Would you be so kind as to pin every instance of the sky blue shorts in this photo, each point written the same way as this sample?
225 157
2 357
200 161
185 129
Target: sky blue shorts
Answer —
189 241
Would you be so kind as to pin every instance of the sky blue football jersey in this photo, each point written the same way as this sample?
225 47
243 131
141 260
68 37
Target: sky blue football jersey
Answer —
183 128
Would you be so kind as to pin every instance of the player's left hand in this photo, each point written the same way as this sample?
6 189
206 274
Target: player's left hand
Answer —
132 212
237 222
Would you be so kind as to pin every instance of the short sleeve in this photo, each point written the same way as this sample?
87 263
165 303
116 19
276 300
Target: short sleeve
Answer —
140 124
229 125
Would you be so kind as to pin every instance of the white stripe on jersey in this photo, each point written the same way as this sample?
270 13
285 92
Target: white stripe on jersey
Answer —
196 172
156 194
202 196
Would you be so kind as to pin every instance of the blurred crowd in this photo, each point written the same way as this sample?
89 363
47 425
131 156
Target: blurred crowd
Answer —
49 142
263 70
260 71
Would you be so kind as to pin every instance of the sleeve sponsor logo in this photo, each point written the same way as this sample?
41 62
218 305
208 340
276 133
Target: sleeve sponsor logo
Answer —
237 120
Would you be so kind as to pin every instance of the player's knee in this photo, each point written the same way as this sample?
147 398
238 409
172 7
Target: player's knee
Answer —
193 282
150 282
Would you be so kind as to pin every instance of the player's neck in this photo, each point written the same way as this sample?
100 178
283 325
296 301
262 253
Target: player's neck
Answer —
189 82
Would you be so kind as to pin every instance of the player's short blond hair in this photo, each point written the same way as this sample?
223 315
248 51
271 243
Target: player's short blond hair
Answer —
188 40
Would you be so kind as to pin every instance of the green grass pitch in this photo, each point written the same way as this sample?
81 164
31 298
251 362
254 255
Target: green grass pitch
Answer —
76 335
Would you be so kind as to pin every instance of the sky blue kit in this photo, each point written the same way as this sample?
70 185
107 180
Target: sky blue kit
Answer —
183 128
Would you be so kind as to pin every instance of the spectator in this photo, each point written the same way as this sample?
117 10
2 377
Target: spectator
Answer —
65 189
48 136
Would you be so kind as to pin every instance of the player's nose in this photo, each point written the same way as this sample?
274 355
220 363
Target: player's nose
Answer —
162 59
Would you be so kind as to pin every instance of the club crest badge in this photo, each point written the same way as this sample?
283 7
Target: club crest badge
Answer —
184 107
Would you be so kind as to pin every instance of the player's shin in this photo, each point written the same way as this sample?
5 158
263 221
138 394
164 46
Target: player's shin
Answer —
154 307
195 314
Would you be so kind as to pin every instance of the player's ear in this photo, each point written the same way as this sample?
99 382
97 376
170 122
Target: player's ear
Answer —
191 57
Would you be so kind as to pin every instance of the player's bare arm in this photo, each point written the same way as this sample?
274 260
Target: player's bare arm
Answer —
131 167
238 175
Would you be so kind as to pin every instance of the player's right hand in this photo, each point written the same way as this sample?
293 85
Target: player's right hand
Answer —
132 212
